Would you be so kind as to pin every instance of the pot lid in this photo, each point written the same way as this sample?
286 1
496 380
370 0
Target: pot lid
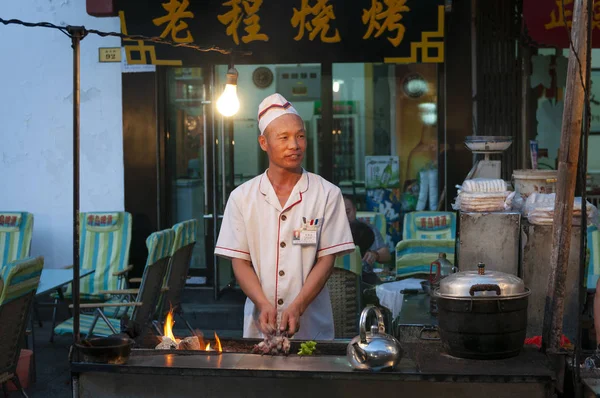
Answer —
481 283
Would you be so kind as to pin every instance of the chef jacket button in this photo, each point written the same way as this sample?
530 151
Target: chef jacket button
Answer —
281 273
280 301
283 217
282 244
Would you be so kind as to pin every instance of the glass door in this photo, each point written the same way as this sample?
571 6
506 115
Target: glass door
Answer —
188 151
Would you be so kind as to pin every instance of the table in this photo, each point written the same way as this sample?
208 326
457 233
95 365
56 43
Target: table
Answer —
391 295
54 279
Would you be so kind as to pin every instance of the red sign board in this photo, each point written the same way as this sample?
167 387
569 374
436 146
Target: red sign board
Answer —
548 22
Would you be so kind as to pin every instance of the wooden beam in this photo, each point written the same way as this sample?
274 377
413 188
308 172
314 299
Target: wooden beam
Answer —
570 140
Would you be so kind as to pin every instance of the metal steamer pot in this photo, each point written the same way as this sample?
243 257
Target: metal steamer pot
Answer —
482 314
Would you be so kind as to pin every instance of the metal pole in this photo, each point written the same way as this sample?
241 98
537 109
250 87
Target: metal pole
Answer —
77 33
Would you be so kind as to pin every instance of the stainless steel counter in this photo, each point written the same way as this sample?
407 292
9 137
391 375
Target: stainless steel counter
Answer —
424 370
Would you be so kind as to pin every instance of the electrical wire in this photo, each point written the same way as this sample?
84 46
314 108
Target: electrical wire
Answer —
154 39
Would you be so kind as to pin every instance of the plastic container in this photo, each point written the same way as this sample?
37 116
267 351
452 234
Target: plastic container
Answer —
527 182
23 367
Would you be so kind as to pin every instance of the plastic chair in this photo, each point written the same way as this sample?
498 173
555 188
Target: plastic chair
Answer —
105 239
425 235
19 281
143 306
177 272
16 230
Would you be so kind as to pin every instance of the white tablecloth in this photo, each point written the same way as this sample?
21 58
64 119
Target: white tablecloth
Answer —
389 293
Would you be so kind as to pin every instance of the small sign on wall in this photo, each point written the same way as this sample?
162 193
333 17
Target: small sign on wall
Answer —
109 54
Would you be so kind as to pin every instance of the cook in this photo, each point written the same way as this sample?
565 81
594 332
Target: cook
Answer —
282 231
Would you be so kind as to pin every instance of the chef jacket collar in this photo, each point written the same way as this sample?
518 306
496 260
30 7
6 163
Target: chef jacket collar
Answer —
267 190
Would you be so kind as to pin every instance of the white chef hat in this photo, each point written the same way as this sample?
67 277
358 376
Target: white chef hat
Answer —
271 108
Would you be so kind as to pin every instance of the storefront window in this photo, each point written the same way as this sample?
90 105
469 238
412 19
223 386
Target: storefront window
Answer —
385 146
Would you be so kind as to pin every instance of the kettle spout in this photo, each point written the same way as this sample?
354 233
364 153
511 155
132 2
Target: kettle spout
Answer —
361 355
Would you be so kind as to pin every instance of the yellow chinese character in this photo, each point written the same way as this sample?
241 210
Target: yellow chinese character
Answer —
176 11
567 15
390 17
596 17
322 14
252 28
233 17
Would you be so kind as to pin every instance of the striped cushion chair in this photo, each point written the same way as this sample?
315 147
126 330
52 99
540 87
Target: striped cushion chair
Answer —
160 247
19 281
16 229
177 271
104 242
425 235
105 239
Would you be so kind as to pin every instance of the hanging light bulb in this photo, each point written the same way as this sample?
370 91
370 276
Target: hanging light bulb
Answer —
228 103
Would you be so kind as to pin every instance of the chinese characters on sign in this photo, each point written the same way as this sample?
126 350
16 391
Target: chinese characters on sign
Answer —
316 20
176 11
397 31
385 20
249 15
562 15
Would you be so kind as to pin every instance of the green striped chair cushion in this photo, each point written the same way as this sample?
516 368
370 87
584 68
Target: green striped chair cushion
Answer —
350 262
85 322
185 234
414 256
429 225
105 239
160 245
16 229
19 278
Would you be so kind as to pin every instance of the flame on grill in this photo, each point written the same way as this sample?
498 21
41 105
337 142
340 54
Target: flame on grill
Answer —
204 345
168 328
218 343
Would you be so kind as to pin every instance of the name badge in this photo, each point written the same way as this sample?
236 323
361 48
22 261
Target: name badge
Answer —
307 235
304 237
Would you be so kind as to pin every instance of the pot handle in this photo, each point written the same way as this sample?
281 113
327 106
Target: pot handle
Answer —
428 329
485 288
363 322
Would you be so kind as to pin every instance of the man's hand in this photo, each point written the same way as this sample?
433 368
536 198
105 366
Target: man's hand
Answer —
370 257
267 319
290 319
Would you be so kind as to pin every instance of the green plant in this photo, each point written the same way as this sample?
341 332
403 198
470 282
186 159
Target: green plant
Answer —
307 348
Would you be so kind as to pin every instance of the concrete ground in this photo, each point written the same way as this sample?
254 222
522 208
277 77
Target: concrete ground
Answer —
202 312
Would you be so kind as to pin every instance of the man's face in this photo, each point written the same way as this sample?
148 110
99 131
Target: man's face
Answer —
284 140
350 210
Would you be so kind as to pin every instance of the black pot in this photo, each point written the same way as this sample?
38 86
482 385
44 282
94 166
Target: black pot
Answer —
482 314
483 328
112 349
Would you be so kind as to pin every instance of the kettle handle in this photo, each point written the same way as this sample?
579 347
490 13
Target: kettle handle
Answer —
363 322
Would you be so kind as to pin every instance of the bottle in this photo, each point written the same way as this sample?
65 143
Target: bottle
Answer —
446 267
386 175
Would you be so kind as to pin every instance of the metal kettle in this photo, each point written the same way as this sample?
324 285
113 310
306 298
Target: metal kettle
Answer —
374 350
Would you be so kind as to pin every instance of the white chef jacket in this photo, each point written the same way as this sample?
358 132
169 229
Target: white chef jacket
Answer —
258 229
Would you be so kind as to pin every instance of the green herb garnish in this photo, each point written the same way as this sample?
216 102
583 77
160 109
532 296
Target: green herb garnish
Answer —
307 348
